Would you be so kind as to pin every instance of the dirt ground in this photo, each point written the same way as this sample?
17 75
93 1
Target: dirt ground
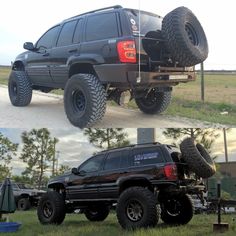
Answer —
46 110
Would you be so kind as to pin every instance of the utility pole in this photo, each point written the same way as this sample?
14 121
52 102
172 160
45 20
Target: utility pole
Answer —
202 83
225 144
58 153
54 156
146 135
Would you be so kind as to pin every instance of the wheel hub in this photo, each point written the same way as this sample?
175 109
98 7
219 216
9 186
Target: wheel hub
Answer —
173 207
78 100
47 209
192 34
134 211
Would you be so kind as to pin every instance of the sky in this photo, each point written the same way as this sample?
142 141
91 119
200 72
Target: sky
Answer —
27 20
74 147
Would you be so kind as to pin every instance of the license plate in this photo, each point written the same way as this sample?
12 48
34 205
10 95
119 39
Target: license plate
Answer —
178 77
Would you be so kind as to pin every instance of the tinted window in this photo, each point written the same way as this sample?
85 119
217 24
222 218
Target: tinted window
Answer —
148 22
77 31
112 161
66 34
92 165
124 161
14 186
146 156
102 26
47 40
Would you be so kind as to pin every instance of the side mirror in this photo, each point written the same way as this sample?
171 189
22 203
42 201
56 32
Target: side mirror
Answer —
29 46
75 171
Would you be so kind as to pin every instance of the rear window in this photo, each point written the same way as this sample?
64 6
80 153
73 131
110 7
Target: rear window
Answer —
146 156
148 22
102 26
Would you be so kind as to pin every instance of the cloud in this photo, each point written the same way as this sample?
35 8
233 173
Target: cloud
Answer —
74 147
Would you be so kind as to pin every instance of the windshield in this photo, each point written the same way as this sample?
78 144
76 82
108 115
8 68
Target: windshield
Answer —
148 22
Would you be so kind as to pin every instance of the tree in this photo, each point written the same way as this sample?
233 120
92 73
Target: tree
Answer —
22 179
55 141
7 152
38 152
204 136
63 169
107 138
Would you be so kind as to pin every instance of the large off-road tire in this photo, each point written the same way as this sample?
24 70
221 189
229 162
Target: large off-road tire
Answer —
185 38
197 158
23 204
51 208
176 209
19 88
155 102
136 208
84 100
97 213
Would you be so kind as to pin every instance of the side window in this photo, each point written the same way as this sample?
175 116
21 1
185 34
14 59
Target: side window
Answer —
14 186
124 161
112 161
92 165
102 26
116 160
46 41
146 156
66 35
77 31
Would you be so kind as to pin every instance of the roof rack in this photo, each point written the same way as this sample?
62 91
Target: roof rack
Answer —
101 9
131 145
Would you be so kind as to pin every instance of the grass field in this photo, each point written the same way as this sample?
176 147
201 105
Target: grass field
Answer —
220 97
79 225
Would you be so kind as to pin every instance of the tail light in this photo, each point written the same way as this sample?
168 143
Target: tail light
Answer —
127 51
171 172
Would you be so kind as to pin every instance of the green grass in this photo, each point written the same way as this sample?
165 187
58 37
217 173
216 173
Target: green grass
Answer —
4 74
79 225
220 96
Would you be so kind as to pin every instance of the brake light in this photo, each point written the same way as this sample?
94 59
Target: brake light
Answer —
127 51
171 172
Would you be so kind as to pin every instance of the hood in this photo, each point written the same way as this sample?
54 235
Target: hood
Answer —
60 179
23 56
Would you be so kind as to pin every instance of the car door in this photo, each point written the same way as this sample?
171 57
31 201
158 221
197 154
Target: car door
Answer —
67 47
115 167
84 185
38 61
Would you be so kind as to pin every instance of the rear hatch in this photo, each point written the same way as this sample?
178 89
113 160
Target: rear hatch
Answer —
146 29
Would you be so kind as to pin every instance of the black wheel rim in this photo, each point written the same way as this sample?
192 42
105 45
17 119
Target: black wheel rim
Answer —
47 209
192 34
93 212
134 210
78 101
150 99
14 88
173 207
22 205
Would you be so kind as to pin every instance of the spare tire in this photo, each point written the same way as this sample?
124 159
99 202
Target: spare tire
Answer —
197 158
184 37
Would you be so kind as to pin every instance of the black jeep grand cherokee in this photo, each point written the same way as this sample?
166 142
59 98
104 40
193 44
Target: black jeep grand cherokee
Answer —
111 54
137 178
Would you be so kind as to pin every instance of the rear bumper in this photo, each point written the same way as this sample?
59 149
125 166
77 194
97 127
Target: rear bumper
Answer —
128 75
185 186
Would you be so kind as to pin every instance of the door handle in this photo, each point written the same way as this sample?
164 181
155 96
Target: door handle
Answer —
73 50
46 54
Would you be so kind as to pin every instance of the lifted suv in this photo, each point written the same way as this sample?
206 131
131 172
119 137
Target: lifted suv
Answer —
111 54
136 178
